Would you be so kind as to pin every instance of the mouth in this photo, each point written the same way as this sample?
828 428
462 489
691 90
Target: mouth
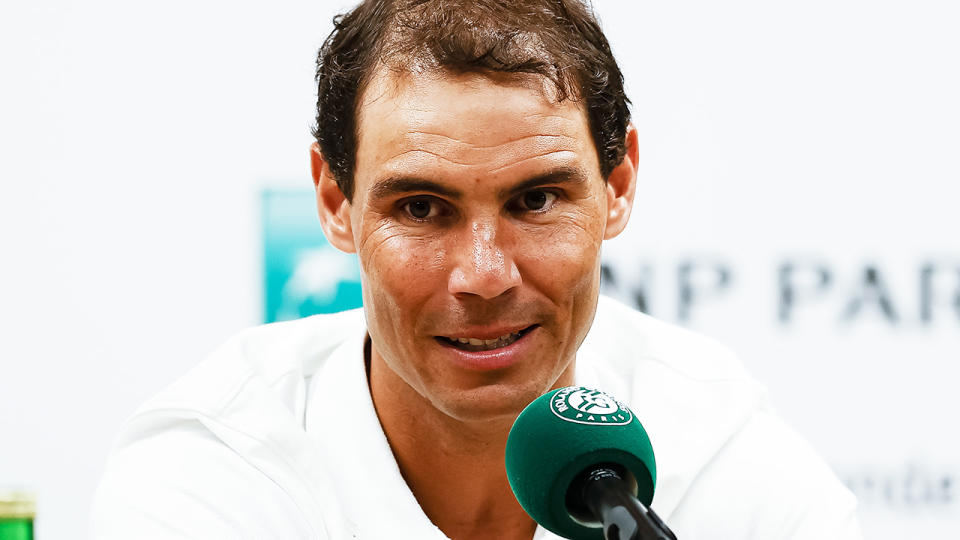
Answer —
472 344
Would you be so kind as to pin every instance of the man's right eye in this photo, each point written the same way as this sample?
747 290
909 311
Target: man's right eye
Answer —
421 209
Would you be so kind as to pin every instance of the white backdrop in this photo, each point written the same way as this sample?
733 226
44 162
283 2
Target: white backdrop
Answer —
781 143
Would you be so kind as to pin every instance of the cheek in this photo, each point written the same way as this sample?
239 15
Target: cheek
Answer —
400 273
563 264
562 258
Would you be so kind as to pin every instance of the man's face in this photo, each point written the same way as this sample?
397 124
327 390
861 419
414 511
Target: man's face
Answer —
478 214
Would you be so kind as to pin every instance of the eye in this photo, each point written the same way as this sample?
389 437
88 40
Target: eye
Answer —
421 209
535 200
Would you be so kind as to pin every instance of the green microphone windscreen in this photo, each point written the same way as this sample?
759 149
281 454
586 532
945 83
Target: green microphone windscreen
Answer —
561 434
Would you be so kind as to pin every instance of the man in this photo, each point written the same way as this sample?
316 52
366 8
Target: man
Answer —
475 155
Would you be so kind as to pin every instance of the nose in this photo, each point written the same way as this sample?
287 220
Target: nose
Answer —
482 267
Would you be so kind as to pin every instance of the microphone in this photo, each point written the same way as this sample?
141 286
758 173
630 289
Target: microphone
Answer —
582 466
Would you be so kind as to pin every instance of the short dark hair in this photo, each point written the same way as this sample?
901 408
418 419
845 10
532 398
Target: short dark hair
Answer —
560 40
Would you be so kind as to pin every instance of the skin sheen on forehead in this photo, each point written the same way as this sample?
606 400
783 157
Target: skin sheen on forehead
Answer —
466 123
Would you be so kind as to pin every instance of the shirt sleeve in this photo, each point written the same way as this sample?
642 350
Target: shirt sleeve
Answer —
183 483
767 483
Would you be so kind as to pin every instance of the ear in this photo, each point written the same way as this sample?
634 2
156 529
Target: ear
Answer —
332 206
621 187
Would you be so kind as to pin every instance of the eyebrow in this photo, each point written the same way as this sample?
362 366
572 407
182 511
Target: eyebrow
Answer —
559 175
395 185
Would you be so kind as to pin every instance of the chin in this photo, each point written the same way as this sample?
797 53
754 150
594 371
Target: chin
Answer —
488 403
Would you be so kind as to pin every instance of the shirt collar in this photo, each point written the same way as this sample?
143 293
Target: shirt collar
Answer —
375 501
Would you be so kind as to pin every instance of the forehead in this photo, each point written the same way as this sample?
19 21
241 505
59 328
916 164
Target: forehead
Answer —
442 123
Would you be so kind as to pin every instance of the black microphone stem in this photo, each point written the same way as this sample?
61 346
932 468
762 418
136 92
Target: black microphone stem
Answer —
605 492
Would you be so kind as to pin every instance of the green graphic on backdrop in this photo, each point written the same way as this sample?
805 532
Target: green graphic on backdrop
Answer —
303 274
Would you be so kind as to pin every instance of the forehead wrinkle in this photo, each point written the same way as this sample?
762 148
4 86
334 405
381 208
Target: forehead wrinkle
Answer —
487 146
418 97
419 144
498 155
413 133
528 158
435 154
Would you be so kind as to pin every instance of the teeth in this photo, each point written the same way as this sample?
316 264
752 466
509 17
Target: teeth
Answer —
487 344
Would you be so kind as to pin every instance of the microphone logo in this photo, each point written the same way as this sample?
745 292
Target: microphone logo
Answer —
588 406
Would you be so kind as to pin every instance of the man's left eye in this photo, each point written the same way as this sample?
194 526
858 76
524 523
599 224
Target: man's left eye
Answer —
536 200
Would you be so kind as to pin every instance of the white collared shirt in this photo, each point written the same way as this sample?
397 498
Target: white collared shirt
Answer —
275 436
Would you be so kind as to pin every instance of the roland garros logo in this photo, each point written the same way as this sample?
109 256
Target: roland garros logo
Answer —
587 406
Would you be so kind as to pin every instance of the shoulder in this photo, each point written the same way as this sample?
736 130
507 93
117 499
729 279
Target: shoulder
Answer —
691 394
275 355
726 464
225 439
182 482
769 481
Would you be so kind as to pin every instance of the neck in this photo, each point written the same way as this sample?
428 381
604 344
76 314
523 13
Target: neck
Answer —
454 468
